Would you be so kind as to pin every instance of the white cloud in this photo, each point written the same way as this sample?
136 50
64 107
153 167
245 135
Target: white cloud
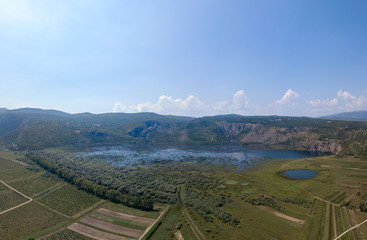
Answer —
327 102
287 98
345 95
240 101
166 105
118 107
344 101
192 106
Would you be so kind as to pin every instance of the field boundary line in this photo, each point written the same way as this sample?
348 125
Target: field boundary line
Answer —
25 178
323 200
312 207
8 210
16 191
193 226
158 218
49 190
43 205
89 209
356 226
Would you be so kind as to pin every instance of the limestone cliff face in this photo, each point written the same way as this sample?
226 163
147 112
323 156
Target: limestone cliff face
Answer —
276 135
328 146
150 127
233 129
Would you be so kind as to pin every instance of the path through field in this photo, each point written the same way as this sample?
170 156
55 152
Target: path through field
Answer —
151 225
10 209
350 229
193 227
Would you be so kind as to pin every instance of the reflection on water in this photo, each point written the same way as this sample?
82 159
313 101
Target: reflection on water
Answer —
300 174
146 155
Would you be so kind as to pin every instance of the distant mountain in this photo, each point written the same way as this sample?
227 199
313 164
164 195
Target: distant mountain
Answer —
37 129
351 116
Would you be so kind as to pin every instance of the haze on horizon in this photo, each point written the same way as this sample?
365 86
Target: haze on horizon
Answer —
193 58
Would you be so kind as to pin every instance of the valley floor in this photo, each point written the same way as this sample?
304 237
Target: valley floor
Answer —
36 204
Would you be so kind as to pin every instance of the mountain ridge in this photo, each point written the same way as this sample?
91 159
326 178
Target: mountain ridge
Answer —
351 116
38 129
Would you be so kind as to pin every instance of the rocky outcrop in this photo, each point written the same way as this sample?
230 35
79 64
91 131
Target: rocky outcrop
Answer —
276 135
328 147
150 127
233 129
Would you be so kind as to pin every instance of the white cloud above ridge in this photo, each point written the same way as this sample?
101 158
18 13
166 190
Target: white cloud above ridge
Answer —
344 101
191 106
288 98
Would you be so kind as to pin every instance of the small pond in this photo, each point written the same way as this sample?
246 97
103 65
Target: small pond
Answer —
299 174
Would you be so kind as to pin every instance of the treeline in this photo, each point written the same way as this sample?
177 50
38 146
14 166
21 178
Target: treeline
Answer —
264 201
157 183
90 187
207 205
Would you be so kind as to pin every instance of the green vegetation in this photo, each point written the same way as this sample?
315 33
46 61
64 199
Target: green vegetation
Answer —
10 199
68 200
90 187
38 129
119 221
213 202
33 186
28 219
66 234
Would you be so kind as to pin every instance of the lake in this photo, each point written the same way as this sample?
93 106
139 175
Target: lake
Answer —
299 174
146 155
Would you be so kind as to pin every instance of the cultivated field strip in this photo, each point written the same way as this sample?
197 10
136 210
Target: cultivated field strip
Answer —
94 233
104 223
112 227
126 216
335 220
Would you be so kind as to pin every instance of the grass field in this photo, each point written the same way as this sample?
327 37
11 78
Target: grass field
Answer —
55 200
265 204
338 183
68 200
66 234
26 220
33 186
10 199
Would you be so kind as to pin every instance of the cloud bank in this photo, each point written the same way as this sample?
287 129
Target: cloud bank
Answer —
343 101
191 106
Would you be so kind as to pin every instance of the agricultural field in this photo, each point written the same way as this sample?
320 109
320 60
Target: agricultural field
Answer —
27 220
60 211
112 221
66 234
35 185
68 200
218 203
10 199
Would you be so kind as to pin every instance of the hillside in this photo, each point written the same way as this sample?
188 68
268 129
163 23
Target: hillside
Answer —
37 129
352 116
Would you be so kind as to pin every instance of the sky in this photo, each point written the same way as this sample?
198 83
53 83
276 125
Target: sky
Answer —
188 57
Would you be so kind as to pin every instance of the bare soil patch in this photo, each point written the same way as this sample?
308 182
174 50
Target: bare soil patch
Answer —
112 227
178 235
278 214
21 163
126 216
94 233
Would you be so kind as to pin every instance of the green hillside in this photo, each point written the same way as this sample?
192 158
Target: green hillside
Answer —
37 129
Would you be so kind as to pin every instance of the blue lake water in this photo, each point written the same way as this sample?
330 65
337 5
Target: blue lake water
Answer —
146 155
300 174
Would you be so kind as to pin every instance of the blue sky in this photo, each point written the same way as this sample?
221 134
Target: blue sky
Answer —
208 57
